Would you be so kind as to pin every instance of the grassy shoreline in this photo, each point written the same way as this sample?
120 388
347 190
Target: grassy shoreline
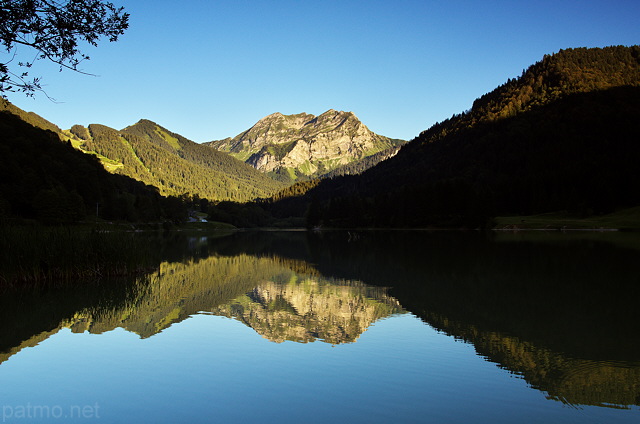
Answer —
37 254
623 220
33 254
54 255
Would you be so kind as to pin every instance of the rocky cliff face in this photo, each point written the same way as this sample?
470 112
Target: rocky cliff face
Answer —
305 145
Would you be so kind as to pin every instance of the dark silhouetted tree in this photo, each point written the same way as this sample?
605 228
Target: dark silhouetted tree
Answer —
54 29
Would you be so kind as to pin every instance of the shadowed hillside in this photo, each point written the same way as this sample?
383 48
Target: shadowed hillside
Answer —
43 178
560 137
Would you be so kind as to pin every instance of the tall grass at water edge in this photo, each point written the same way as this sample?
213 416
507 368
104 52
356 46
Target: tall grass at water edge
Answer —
54 255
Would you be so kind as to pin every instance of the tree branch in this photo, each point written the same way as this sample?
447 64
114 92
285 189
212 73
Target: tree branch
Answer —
54 28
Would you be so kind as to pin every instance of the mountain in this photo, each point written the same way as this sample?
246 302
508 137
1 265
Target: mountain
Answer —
145 152
175 165
43 178
304 145
562 136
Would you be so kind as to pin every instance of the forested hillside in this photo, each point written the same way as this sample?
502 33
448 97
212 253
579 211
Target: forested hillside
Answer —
562 136
44 178
361 165
151 154
30 117
567 72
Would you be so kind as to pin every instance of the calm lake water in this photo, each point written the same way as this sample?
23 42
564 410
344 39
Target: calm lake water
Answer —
358 327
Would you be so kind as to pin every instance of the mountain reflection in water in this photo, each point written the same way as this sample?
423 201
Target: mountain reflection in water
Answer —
264 293
558 310
308 309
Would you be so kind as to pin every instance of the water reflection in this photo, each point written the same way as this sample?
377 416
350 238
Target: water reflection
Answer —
570 380
265 293
305 309
558 310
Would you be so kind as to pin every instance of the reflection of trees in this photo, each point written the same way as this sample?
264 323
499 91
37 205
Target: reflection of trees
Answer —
564 378
561 311
314 308
180 289
308 305
558 309
146 306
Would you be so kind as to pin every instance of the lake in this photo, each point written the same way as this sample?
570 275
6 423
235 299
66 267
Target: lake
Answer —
358 327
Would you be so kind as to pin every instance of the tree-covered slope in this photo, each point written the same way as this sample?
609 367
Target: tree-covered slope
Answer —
44 178
29 117
361 165
556 76
563 136
152 154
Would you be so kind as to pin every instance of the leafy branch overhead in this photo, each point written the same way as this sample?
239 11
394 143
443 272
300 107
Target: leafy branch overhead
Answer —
54 30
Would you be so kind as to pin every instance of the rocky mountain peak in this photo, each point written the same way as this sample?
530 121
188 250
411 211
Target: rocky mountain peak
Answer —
272 117
304 144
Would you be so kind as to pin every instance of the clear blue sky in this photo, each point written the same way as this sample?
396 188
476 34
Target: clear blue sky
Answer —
211 69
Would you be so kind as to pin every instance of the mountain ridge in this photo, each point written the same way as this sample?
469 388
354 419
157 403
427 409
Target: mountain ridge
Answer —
304 145
156 156
44 179
173 163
